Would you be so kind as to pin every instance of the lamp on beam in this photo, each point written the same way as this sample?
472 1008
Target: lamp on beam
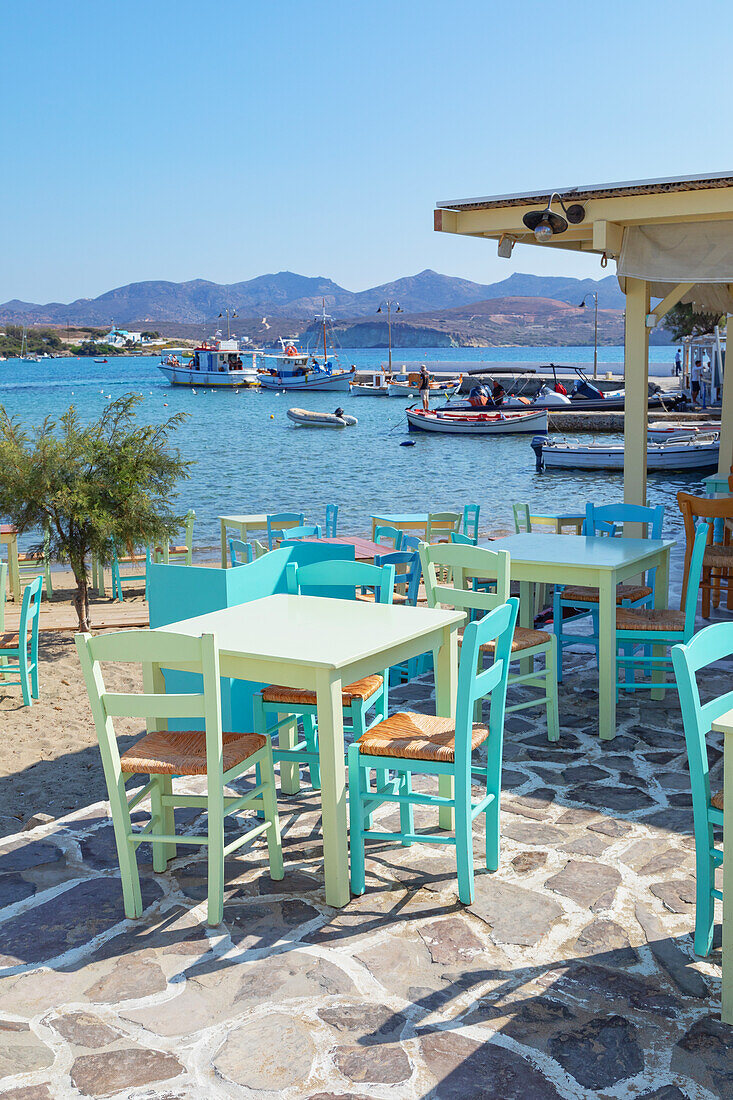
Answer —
547 223
389 304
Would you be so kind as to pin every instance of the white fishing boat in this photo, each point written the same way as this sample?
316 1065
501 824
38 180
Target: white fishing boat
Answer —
304 418
678 429
375 386
293 369
408 385
475 423
216 364
684 454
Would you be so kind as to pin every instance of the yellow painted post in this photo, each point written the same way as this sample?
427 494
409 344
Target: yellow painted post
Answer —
726 412
636 381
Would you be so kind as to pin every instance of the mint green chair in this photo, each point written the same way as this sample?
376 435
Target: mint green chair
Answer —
663 627
522 522
19 652
278 708
178 555
276 519
37 563
388 536
471 514
240 553
441 524
464 565
408 743
708 646
163 754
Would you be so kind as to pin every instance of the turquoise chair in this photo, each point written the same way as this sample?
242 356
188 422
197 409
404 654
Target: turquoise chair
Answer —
470 522
276 707
312 531
240 553
276 519
710 645
461 539
19 652
3 597
389 536
410 743
119 577
641 626
572 604
332 514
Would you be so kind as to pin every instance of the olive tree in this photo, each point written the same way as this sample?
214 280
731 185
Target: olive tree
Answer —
91 485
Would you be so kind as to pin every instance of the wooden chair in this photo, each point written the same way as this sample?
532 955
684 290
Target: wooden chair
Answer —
312 531
388 536
332 513
240 553
582 600
717 567
30 565
636 626
132 559
522 522
178 555
464 563
408 743
441 524
3 597
410 542
163 754
705 648
276 519
278 708
408 574
259 548
470 522
19 652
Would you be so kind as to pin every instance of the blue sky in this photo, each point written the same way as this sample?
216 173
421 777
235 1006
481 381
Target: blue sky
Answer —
178 140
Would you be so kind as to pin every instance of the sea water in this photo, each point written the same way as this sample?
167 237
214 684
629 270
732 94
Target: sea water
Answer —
247 457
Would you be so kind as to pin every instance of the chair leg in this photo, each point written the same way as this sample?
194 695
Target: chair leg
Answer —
24 673
215 806
311 739
553 710
289 770
160 851
169 817
34 677
126 852
557 624
269 801
464 839
407 822
356 774
704 901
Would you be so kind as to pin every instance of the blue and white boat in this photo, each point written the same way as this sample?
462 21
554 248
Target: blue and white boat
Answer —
220 363
293 369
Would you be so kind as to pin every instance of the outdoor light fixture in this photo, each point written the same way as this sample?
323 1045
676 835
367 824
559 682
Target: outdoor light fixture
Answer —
506 244
546 223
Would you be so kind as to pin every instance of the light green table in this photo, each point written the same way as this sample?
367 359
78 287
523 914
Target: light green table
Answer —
9 538
724 725
557 520
244 524
602 563
323 644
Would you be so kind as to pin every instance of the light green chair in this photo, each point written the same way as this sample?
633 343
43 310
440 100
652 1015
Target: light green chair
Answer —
37 564
178 555
163 754
441 524
463 564
522 522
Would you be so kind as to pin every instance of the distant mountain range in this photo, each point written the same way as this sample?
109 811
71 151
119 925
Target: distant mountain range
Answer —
286 294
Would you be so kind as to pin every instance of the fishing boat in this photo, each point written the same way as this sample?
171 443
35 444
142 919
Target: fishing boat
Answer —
475 422
304 418
100 360
293 369
678 429
684 454
217 364
408 385
376 386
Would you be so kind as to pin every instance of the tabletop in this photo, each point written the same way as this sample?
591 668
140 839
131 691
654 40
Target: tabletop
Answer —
405 517
586 551
569 517
724 724
8 529
252 519
364 548
314 630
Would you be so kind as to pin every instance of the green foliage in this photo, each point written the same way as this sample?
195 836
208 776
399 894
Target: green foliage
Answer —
91 485
38 341
89 348
150 335
682 320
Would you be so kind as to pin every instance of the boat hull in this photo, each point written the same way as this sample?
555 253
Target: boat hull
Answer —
495 423
313 381
304 418
691 455
185 376
361 389
405 390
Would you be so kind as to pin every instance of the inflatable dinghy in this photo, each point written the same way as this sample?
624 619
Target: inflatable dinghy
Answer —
303 418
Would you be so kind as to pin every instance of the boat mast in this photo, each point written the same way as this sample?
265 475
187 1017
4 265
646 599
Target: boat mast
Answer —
323 320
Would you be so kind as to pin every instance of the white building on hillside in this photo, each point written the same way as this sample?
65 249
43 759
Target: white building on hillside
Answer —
120 337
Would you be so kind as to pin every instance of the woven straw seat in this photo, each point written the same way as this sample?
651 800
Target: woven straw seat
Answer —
177 549
587 594
360 689
166 752
524 638
9 641
637 618
718 557
717 800
31 557
411 736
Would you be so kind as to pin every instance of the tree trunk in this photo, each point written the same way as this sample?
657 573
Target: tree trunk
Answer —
81 603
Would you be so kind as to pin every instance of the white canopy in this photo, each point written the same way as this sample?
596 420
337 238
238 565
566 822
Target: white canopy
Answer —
682 252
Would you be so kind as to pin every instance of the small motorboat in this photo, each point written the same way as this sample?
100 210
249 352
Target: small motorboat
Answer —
304 418
475 422
684 454
100 360
377 386
678 429
408 385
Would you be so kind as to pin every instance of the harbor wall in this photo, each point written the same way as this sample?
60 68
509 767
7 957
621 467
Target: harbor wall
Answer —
614 421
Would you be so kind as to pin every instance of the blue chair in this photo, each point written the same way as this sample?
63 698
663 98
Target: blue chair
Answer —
240 553
276 519
119 578
332 513
389 536
710 645
582 600
410 542
292 534
409 743
408 573
19 652
277 708
470 522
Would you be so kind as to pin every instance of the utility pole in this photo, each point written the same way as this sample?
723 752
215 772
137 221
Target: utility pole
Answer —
594 296
389 303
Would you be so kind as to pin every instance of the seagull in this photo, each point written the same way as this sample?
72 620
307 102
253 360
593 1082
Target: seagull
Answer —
264 322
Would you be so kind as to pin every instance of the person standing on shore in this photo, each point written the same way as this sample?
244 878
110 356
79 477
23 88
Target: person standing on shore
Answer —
424 387
678 362
695 376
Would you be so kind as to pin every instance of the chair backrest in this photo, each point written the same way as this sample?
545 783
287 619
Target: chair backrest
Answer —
410 542
188 523
463 564
442 523
600 528
651 518
240 553
461 539
388 536
155 650
276 519
522 522
408 571
3 593
332 514
320 576
310 531
470 520
476 682
694 576
259 548
695 508
30 610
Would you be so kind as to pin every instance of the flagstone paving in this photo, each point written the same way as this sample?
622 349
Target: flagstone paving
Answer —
571 975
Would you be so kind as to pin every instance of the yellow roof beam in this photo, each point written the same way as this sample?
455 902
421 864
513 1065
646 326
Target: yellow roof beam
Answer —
669 302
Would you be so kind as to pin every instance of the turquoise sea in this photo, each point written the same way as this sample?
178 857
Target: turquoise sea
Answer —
249 458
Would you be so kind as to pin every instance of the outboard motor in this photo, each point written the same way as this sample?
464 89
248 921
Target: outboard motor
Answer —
538 442
584 389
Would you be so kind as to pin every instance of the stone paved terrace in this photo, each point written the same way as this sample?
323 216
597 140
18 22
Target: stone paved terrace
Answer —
572 974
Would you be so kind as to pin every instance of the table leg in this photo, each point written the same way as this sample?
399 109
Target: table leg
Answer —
289 770
727 982
333 788
661 599
607 673
445 660
223 544
13 570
